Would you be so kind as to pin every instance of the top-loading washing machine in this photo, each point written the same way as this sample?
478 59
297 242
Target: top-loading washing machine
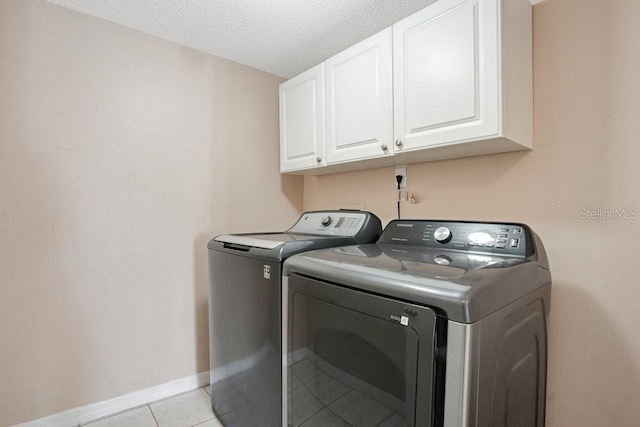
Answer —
245 272
440 323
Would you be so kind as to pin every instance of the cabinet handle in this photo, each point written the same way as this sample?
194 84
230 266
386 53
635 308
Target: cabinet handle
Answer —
318 159
384 147
398 143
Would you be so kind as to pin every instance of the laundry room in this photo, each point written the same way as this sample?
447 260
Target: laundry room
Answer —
124 153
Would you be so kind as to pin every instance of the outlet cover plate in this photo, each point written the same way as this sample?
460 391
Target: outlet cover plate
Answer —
401 170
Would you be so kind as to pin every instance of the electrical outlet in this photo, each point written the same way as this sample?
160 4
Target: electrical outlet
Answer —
402 171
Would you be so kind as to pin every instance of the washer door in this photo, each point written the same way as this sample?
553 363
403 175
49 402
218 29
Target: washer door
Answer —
355 358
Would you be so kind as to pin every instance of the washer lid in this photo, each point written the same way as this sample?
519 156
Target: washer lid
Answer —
275 240
264 241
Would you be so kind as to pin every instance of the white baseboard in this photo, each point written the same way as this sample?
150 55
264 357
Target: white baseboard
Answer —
93 411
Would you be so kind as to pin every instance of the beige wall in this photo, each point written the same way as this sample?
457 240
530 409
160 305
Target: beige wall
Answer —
586 156
116 158
120 156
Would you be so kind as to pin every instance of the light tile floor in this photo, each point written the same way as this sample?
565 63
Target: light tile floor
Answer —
320 401
184 410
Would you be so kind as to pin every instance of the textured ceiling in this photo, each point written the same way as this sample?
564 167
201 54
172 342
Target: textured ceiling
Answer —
282 37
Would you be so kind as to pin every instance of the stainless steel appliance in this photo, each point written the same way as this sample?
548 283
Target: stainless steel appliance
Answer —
245 272
439 323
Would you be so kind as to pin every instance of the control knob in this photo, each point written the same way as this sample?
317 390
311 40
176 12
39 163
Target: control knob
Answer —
442 234
325 220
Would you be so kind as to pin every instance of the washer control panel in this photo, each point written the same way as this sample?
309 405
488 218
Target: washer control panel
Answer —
495 238
331 223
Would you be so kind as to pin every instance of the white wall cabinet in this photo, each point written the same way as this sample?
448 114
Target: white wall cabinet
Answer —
461 73
463 78
302 121
359 101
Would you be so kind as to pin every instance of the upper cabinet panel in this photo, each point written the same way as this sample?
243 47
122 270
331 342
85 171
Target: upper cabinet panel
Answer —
446 74
302 121
359 101
438 63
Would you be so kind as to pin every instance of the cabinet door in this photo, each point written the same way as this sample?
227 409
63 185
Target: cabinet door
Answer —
446 80
302 121
359 101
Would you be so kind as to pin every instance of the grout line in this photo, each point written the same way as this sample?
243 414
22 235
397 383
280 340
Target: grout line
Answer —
153 415
205 389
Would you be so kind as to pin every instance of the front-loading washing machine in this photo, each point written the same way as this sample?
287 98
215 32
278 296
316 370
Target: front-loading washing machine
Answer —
440 323
245 272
